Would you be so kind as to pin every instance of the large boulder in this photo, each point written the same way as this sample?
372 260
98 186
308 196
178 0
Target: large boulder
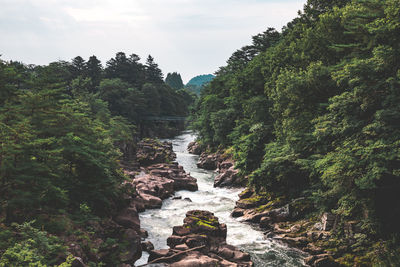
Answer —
208 162
227 177
194 148
172 171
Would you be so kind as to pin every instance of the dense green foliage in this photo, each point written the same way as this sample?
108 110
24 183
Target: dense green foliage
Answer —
64 130
174 80
314 111
196 84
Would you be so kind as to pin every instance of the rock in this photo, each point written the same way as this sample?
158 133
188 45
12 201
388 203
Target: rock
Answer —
280 214
182 247
174 240
325 262
178 197
265 222
187 199
194 260
151 202
128 218
147 246
228 175
154 185
246 204
196 241
208 162
143 233
225 165
321 260
194 148
134 248
313 249
203 233
226 178
300 241
327 220
237 212
246 193
181 180
254 217
155 254
180 230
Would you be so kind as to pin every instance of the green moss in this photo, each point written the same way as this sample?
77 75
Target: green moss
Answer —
204 223
254 199
265 207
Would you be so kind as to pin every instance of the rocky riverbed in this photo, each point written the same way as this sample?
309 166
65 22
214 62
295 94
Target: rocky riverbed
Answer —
161 223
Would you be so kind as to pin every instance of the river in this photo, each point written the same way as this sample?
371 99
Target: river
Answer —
220 201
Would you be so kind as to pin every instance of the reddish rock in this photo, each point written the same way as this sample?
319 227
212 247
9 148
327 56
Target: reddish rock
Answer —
151 202
194 148
203 239
195 260
228 176
208 162
129 218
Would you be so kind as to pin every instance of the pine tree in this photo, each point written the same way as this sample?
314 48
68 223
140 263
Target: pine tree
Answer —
174 80
153 72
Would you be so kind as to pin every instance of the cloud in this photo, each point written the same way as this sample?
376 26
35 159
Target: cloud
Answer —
188 36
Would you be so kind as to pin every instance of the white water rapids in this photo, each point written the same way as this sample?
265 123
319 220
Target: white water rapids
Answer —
220 201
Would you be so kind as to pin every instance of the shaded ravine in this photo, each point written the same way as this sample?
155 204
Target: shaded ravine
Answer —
220 201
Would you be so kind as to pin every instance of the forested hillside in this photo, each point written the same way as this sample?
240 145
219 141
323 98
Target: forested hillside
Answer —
65 130
313 111
196 84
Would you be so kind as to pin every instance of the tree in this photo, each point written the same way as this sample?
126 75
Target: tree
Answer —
94 71
174 80
77 67
153 73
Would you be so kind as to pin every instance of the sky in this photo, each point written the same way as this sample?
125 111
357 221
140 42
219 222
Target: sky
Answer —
191 37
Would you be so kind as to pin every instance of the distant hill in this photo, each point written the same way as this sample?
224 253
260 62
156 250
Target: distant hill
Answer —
196 84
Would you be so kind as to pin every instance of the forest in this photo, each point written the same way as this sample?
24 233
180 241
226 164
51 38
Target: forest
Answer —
65 131
313 111
310 112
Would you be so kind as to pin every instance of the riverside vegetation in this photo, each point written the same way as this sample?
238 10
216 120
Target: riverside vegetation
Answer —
311 117
68 131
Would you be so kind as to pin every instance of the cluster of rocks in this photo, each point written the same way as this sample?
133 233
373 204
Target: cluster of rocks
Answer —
159 181
200 241
282 220
227 174
194 148
151 151
209 161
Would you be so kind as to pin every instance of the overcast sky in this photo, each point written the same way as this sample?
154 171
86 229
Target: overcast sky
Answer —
191 37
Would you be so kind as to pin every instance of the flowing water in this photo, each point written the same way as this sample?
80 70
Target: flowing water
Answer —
220 201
